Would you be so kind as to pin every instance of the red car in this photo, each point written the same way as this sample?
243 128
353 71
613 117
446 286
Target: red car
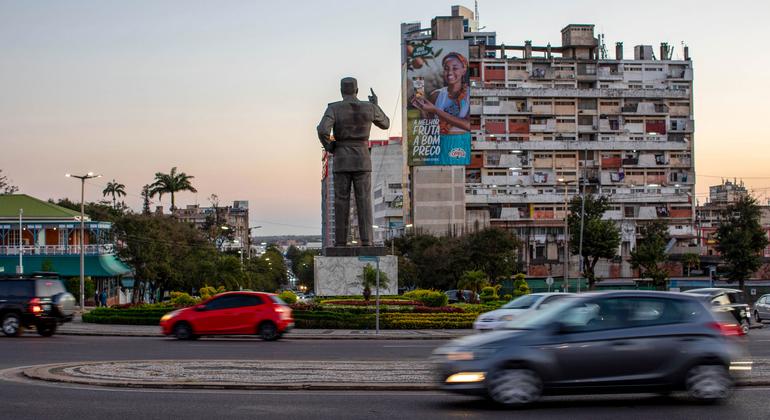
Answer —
264 314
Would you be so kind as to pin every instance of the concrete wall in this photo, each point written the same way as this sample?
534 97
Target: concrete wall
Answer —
341 276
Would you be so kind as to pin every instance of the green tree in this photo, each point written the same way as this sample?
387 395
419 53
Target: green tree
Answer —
650 253
369 280
114 189
690 260
5 186
171 184
407 273
473 280
601 238
520 285
267 272
304 269
146 200
741 239
493 251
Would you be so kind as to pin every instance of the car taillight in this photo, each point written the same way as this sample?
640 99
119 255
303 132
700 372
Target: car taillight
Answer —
34 306
727 329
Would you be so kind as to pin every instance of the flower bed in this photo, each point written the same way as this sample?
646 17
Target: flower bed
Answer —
388 320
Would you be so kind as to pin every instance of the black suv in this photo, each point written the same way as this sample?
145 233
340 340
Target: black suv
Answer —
27 301
732 301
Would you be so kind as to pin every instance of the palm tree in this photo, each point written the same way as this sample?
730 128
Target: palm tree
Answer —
114 189
171 183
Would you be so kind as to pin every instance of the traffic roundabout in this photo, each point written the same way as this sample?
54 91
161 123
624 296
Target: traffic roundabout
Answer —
240 374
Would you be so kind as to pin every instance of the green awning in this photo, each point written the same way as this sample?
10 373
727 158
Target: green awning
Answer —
67 265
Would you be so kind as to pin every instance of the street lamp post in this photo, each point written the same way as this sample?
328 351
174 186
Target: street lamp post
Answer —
566 234
82 179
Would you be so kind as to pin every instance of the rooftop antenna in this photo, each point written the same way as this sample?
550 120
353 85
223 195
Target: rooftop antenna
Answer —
602 48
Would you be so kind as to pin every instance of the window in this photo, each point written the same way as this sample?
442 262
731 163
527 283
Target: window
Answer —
224 302
629 312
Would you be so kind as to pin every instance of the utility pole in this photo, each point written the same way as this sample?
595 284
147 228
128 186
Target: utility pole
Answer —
82 179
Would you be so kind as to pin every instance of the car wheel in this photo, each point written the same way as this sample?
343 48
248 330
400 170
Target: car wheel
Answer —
709 383
46 330
745 326
757 318
268 331
514 387
183 331
12 325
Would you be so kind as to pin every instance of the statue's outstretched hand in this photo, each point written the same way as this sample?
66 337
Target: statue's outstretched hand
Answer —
372 97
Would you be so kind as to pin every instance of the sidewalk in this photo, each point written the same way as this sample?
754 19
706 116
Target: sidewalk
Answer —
78 327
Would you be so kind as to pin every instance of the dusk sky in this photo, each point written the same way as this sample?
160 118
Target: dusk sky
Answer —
231 91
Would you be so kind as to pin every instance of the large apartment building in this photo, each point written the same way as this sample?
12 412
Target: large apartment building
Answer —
548 121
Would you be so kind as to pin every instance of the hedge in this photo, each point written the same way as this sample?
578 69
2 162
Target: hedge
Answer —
140 315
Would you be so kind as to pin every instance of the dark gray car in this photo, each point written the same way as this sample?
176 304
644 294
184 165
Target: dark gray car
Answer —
599 343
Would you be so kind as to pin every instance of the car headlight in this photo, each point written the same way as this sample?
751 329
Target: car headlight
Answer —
167 316
506 318
476 354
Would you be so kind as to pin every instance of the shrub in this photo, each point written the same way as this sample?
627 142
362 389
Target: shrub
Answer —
208 291
73 286
288 296
182 299
432 298
489 294
507 297
520 286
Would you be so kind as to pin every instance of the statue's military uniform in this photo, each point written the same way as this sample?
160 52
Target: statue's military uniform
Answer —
351 121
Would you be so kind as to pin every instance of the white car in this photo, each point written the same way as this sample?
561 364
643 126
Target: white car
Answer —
514 309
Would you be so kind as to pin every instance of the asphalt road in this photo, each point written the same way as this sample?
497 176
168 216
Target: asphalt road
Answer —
23 399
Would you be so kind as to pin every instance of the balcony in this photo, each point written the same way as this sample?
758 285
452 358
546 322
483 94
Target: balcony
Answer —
57 250
580 93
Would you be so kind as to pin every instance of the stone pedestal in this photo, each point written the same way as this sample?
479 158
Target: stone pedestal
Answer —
340 275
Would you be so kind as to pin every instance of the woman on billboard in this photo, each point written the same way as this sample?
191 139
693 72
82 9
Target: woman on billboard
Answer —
451 103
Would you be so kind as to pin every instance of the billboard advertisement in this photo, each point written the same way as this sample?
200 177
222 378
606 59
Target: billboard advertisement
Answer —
438 102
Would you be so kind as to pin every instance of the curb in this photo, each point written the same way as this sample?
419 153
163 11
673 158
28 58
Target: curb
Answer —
289 336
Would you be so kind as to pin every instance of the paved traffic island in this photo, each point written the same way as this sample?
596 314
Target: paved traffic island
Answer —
240 374
281 375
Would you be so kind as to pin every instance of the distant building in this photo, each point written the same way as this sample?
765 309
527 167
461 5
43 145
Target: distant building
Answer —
235 217
709 215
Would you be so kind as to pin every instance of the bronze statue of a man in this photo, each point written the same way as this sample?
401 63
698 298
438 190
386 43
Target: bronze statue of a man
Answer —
351 121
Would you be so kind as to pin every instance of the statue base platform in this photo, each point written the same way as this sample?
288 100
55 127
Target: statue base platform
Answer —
355 251
341 275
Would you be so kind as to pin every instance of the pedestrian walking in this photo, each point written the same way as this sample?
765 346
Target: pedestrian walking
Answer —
104 297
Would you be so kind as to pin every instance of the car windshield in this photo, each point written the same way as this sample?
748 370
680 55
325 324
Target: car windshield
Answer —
540 318
48 288
278 300
522 302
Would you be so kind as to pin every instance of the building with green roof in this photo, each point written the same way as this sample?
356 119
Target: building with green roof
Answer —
47 238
